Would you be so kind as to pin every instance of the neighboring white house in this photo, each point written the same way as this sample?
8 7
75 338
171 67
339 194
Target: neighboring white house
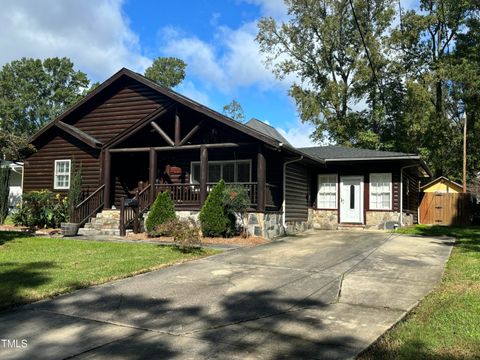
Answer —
15 183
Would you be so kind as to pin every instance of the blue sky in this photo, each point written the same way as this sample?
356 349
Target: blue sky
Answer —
214 37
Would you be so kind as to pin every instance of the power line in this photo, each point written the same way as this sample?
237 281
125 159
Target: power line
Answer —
367 52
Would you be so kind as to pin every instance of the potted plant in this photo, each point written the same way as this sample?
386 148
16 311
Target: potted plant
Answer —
70 228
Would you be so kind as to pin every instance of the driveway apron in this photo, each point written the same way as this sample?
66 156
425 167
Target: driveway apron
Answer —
321 295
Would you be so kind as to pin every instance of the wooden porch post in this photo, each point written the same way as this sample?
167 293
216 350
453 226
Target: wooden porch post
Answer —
261 179
107 169
152 172
177 130
203 174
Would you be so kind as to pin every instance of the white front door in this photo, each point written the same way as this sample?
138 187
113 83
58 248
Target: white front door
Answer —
351 199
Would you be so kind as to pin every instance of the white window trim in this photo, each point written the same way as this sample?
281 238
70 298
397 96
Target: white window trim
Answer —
55 174
371 206
336 192
249 161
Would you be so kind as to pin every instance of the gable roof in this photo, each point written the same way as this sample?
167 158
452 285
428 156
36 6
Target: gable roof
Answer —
440 178
266 129
343 153
265 137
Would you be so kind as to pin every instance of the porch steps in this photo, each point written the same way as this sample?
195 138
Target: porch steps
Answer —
351 227
106 222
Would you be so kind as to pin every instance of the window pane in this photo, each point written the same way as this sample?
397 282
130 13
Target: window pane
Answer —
327 192
196 173
229 172
214 173
380 191
243 172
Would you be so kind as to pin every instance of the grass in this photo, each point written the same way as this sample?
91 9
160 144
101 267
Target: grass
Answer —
446 324
34 268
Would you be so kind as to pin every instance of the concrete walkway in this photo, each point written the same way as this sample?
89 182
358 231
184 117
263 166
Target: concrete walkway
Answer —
324 295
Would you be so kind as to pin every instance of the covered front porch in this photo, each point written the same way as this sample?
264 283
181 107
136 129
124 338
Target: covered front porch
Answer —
189 173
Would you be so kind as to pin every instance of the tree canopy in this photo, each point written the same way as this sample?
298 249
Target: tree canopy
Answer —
234 110
33 92
167 71
370 74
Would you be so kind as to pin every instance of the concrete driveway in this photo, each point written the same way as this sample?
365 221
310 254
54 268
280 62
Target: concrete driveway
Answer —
324 295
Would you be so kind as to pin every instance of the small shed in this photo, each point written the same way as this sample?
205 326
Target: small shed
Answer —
442 185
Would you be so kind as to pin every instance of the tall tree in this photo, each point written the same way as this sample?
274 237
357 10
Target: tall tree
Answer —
167 71
234 110
425 40
333 47
33 92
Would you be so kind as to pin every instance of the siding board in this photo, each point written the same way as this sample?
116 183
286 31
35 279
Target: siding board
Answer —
296 193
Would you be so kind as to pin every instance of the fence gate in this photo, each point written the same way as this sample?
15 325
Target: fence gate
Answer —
445 209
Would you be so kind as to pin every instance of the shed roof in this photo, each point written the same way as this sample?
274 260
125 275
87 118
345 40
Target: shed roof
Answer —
441 178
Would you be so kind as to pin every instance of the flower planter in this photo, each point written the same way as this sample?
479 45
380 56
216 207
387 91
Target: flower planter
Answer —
69 229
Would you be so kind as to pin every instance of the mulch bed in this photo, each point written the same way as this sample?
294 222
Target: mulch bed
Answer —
24 229
237 240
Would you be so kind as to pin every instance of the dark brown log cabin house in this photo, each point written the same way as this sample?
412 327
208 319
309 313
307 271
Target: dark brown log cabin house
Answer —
134 138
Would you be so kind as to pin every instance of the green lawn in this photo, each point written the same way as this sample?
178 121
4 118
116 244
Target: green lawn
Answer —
33 268
446 324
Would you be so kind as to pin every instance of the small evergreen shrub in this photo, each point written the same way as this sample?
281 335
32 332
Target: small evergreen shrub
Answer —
162 210
4 191
74 196
213 218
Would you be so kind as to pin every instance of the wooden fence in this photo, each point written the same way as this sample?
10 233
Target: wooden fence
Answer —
446 209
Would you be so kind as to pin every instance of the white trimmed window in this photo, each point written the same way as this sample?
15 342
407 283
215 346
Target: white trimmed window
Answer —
327 191
381 191
61 178
231 171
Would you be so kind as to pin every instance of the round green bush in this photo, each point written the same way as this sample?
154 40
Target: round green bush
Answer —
213 218
161 211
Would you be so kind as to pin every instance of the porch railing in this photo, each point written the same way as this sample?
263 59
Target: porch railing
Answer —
131 214
189 194
89 207
183 196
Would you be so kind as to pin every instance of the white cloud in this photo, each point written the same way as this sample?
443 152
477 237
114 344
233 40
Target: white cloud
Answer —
188 89
273 8
94 34
232 61
299 134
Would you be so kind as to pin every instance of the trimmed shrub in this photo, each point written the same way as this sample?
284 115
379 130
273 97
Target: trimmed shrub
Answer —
41 209
162 210
213 218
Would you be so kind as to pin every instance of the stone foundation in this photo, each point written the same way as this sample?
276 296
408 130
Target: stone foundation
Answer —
267 225
323 219
295 227
328 219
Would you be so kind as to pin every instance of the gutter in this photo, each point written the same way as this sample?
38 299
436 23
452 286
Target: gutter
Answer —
401 190
413 157
284 188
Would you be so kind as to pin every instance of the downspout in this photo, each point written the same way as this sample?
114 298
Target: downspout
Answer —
401 191
284 224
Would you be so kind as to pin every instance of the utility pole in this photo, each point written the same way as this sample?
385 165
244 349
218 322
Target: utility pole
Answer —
465 152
